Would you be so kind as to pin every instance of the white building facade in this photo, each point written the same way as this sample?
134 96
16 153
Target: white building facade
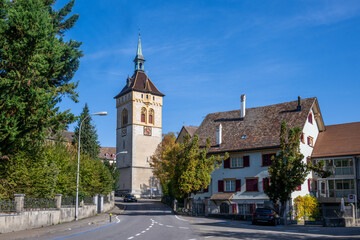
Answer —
251 139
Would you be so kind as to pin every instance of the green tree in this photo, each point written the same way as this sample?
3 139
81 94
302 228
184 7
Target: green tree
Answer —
89 143
115 173
36 67
288 170
184 169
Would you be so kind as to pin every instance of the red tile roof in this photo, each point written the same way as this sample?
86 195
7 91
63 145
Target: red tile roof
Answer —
338 140
140 82
107 153
259 129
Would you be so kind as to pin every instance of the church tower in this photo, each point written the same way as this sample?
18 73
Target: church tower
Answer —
138 131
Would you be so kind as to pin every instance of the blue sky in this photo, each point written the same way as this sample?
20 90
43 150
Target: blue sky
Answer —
204 54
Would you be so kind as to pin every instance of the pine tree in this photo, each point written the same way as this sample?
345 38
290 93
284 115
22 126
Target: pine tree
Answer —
89 143
36 67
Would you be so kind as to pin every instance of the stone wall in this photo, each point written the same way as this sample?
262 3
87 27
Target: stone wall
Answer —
22 219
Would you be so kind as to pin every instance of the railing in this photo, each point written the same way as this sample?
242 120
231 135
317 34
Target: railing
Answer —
38 203
88 200
7 206
68 201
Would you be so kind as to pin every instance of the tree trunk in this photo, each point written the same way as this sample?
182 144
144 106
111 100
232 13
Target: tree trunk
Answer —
284 211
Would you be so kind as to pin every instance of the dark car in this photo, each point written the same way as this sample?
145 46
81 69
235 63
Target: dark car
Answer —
265 215
130 198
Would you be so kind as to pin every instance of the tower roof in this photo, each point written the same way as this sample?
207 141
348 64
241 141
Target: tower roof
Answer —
139 54
140 82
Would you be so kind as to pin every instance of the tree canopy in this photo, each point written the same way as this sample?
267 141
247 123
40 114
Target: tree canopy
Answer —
36 67
288 169
183 169
89 143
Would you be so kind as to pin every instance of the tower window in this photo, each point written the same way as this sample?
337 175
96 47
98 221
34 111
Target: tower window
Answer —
142 96
124 117
154 98
147 96
151 116
143 115
140 65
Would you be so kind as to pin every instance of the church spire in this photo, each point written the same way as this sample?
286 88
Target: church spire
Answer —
139 58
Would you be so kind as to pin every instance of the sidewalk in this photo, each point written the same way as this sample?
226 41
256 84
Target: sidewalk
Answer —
63 227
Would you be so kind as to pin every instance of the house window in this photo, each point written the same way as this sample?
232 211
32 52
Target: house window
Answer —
229 185
143 115
236 162
252 185
310 141
343 166
266 159
341 187
151 116
124 118
310 118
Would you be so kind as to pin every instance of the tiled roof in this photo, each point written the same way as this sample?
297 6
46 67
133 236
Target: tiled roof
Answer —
191 130
338 140
140 82
259 129
107 152
221 196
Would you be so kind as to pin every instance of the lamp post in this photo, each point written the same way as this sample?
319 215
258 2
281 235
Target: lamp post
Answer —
78 165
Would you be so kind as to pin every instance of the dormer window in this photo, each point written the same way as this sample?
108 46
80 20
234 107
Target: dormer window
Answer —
310 118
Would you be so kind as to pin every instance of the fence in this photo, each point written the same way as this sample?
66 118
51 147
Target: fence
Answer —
26 213
7 206
31 204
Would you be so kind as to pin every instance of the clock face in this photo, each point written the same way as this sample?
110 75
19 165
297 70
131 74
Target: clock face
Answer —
147 131
123 132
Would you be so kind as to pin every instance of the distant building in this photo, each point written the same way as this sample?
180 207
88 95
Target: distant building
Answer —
65 136
339 147
251 137
139 131
190 130
108 154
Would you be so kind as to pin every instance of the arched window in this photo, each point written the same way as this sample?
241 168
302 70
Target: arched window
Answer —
124 117
143 115
151 116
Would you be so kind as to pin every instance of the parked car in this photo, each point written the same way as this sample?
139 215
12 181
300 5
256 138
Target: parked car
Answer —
130 198
265 215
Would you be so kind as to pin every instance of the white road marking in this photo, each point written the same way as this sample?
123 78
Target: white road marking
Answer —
169 226
209 237
184 227
143 231
118 220
179 218
161 224
138 234
130 237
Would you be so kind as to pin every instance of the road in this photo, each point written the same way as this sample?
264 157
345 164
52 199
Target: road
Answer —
216 229
149 219
145 219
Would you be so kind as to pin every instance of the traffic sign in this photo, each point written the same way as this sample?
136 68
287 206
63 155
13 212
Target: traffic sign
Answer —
351 198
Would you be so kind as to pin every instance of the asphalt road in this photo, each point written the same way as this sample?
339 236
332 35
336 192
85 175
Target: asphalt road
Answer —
145 219
216 229
148 219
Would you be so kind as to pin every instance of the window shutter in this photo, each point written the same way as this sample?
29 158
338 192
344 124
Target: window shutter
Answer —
221 186
227 163
298 188
308 140
246 161
265 183
238 185
309 184
310 118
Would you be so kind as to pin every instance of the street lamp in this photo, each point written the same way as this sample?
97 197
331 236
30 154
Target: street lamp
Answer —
78 164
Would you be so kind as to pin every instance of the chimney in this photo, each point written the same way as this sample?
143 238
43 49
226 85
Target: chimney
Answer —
298 108
218 134
243 98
